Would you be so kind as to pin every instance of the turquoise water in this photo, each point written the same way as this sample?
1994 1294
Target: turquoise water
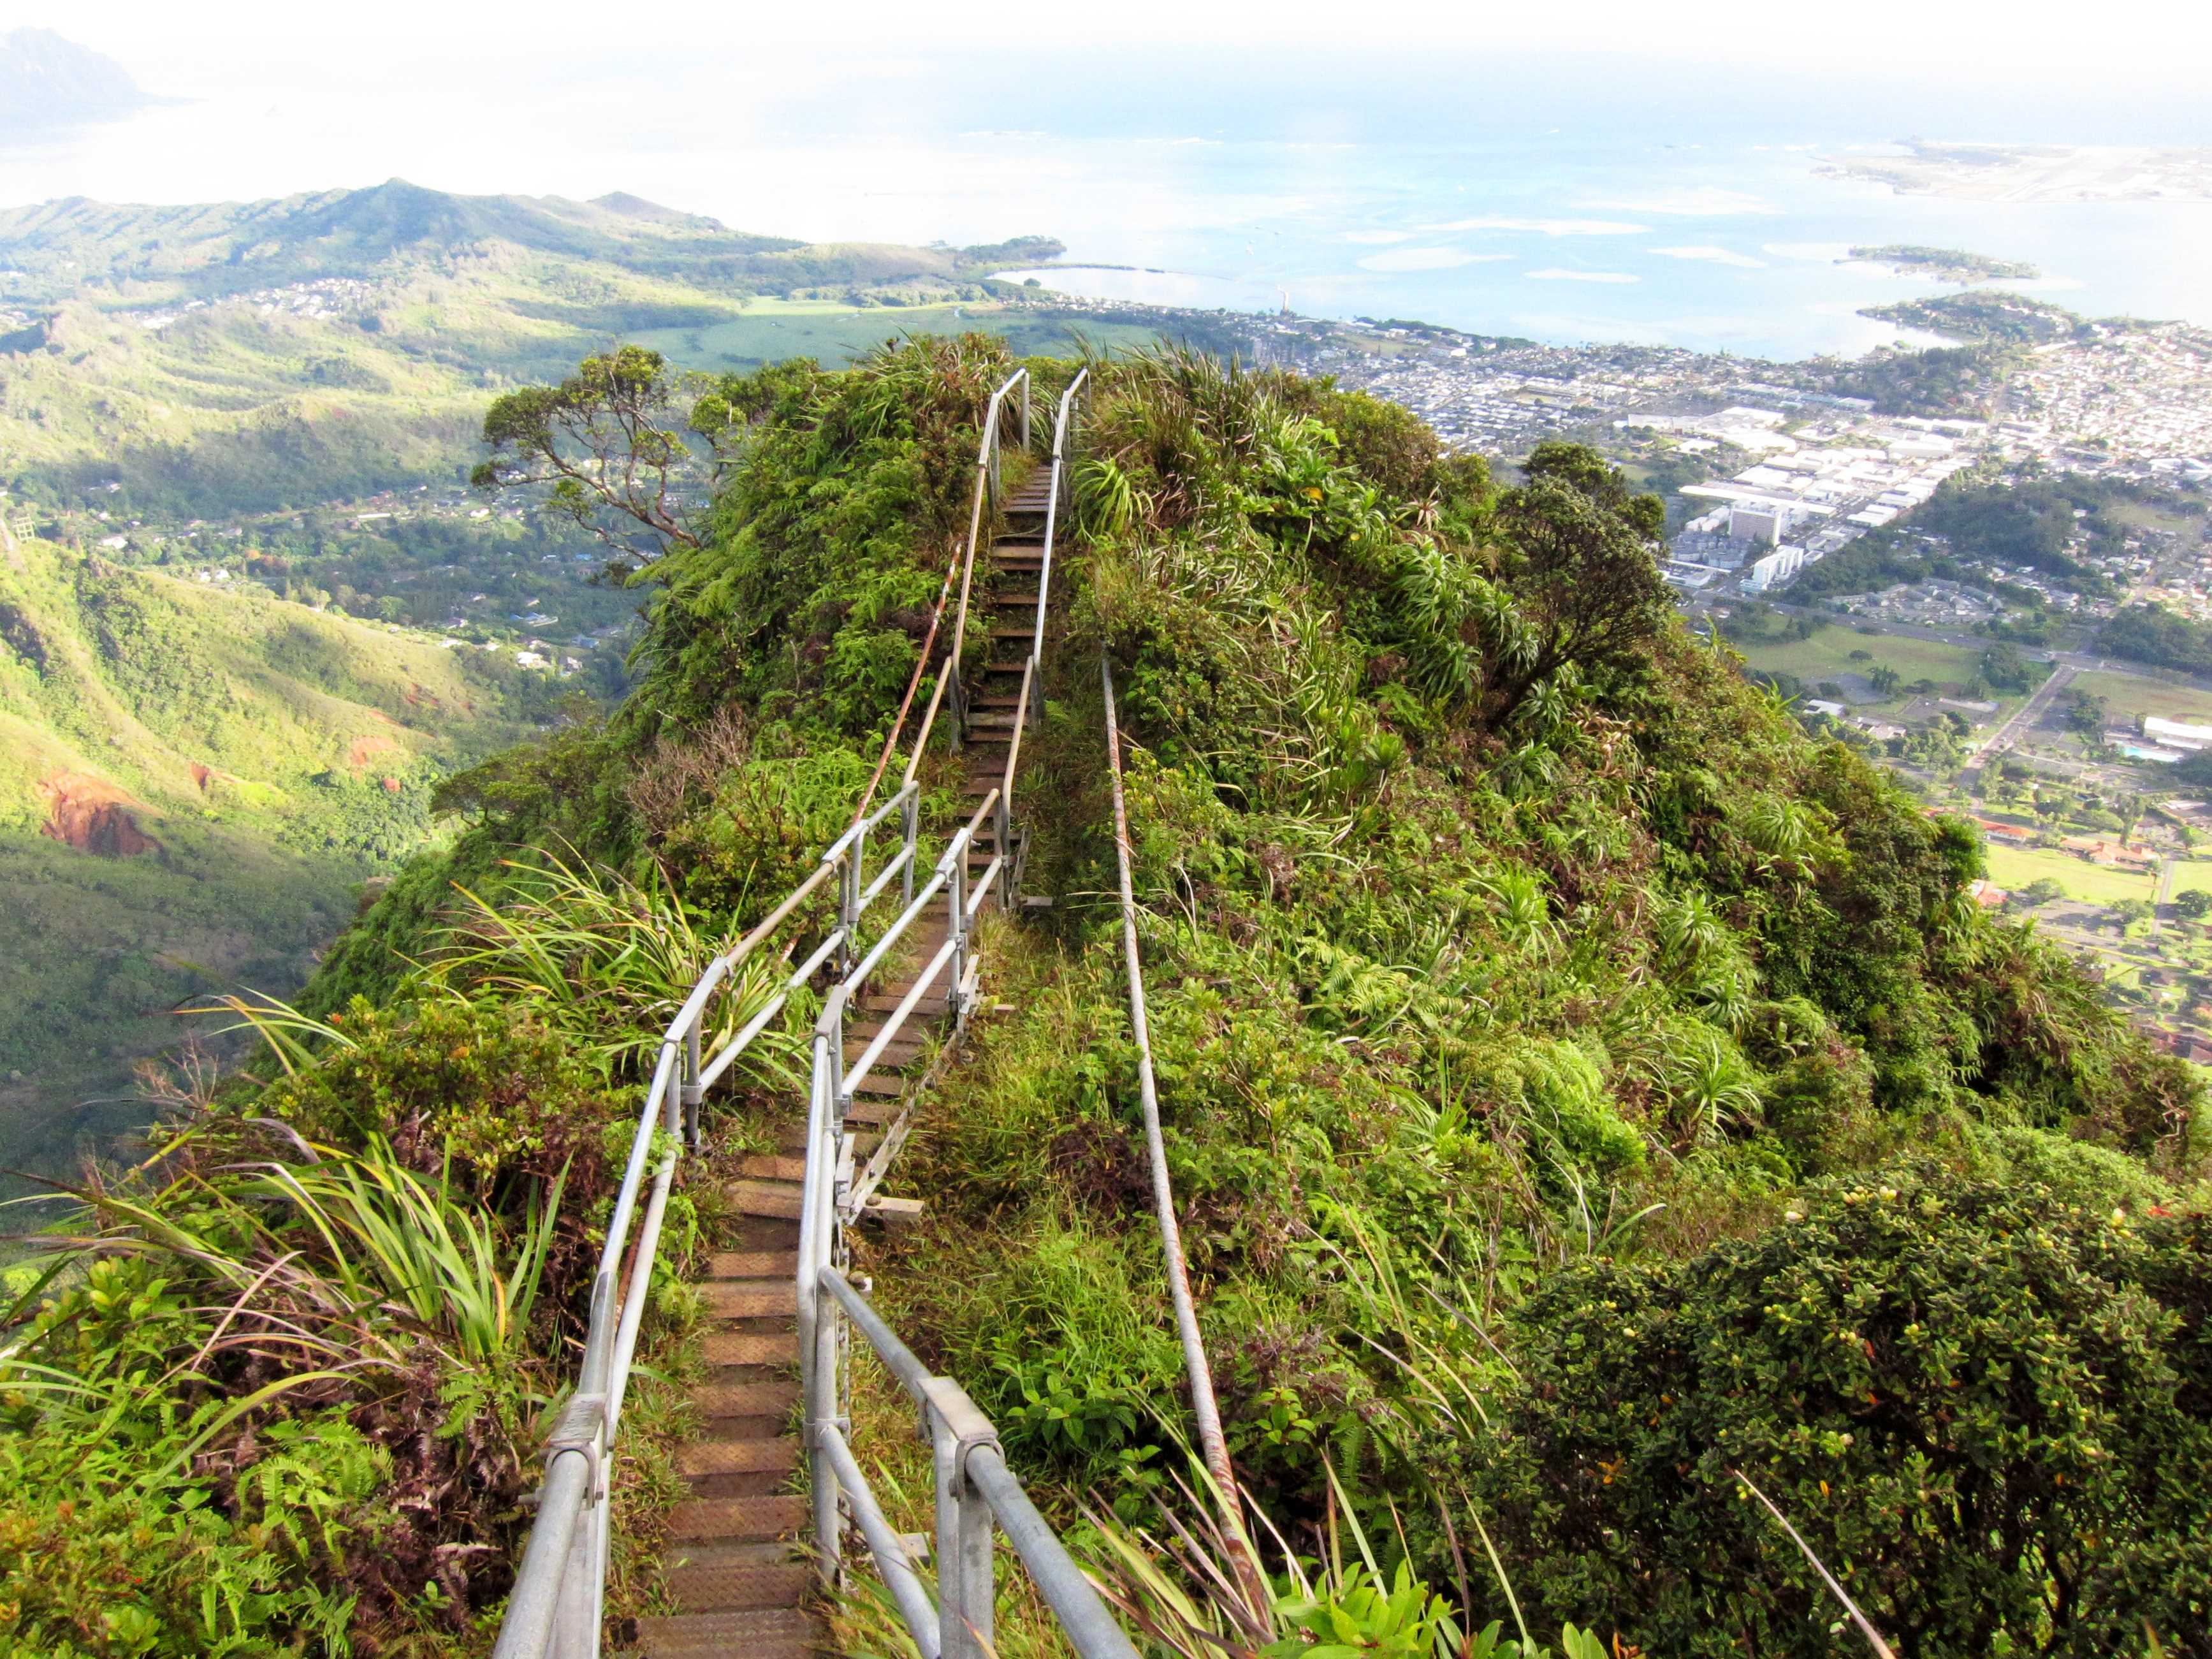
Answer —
1729 246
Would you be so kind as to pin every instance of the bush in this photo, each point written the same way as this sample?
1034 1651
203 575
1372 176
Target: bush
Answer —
1985 1407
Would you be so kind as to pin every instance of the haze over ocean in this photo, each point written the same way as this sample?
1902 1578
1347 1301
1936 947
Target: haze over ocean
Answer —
1565 199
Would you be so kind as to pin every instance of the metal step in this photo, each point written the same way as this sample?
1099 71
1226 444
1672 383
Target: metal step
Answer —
772 1515
754 1264
760 1633
779 1199
774 1454
725 1577
750 1298
725 1348
773 1397
774 1169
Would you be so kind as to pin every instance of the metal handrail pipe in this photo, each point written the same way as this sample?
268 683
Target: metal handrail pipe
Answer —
710 978
891 804
1021 724
640 1281
526 1629
1082 1613
776 918
975 823
897 1357
664 1076
904 857
922 981
891 1561
929 890
928 720
982 889
727 1054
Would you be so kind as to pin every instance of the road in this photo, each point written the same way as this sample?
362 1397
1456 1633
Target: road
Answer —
2022 721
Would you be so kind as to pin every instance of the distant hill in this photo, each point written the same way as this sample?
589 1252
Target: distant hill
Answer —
193 779
211 250
48 81
258 355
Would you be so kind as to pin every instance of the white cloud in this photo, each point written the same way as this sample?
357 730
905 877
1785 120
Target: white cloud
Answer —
1706 202
1374 236
1719 256
1426 259
1548 226
1558 274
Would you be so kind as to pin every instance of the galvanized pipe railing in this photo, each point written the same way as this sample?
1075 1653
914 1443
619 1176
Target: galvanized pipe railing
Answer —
987 490
556 1609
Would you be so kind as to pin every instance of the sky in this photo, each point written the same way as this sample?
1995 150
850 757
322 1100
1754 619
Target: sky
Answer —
2141 42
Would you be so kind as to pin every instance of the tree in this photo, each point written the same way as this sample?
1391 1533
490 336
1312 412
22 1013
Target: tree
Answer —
1581 564
2193 904
606 440
1886 680
2004 668
2039 892
2085 714
1986 1405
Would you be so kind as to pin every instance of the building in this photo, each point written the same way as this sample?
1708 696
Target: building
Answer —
2177 734
1758 524
1777 567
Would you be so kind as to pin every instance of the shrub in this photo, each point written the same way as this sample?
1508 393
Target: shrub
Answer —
1986 1407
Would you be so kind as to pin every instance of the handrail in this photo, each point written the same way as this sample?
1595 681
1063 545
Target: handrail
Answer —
986 490
1204 1409
556 1609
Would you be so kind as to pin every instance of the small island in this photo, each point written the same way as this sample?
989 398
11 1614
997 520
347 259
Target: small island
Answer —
1945 265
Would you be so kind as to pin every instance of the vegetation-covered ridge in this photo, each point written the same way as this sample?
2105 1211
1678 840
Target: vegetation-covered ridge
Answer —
1584 1093
194 778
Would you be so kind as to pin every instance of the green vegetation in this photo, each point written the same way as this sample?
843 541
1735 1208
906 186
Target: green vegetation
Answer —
1947 265
2155 634
196 776
2015 868
1510 955
1984 319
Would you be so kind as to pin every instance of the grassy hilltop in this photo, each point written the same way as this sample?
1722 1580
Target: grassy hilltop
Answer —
1583 1090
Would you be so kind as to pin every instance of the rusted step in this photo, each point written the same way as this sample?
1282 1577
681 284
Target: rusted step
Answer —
774 1454
750 1348
883 1084
865 1110
883 1002
725 1578
1007 601
772 1515
1011 631
896 1054
773 1397
778 1199
750 1298
774 1169
759 1633
756 1264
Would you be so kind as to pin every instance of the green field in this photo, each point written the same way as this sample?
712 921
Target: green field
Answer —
2194 877
2130 696
1826 656
2015 867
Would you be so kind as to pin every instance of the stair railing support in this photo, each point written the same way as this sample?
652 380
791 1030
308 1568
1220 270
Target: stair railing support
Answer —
693 1090
965 1589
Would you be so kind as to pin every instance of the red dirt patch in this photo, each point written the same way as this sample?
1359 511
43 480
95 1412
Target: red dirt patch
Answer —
366 748
93 815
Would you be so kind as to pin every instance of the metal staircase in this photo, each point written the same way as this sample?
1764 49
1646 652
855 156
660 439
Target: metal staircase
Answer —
742 1577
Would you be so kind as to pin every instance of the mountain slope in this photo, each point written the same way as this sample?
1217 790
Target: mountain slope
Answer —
192 780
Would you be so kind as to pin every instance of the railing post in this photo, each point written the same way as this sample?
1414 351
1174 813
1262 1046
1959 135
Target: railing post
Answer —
685 1110
849 906
910 830
956 891
820 1405
965 1589
1002 827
